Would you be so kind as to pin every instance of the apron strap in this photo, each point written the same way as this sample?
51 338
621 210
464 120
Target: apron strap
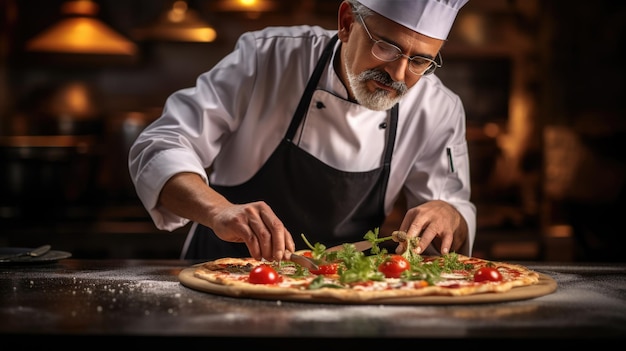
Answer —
393 124
389 146
310 89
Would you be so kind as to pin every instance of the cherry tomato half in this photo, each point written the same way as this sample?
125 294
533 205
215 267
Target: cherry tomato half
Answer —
487 274
264 274
330 268
393 266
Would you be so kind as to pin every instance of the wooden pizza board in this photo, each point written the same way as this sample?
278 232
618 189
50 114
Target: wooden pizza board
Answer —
546 286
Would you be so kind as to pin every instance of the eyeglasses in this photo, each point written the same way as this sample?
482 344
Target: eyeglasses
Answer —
388 52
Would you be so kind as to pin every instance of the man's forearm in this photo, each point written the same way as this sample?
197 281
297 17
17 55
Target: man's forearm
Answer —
188 196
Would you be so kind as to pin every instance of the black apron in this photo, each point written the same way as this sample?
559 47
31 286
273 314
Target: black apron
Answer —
327 205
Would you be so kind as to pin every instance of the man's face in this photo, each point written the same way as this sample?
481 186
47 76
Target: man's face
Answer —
374 83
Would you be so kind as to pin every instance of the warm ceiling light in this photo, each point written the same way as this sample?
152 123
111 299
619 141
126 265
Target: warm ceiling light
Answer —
246 5
178 23
81 33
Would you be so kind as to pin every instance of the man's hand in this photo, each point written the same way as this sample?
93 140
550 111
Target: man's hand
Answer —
255 224
435 221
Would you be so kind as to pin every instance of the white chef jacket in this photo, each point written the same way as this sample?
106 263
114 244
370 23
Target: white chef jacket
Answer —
239 111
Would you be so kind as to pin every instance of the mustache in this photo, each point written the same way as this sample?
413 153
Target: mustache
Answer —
384 78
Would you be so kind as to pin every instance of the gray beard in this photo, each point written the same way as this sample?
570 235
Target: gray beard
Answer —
379 100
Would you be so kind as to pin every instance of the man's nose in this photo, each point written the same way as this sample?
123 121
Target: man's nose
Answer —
398 69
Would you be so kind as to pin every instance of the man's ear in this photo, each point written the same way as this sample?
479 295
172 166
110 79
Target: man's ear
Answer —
345 21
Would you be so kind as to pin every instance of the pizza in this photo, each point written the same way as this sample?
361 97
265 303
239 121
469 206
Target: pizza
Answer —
350 275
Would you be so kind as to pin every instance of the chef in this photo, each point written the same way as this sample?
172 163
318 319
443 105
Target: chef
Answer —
304 130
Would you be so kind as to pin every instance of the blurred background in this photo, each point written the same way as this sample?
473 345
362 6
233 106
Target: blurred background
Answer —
542 82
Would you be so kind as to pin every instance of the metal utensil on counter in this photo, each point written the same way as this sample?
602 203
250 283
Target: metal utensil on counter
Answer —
39 251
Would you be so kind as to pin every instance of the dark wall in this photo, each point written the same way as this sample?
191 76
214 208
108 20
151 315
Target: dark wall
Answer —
583 55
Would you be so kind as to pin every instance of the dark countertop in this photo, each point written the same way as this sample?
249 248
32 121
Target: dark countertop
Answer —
143 301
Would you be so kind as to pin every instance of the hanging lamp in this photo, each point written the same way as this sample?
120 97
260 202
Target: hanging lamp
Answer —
178 23
250 8
246 5
80 32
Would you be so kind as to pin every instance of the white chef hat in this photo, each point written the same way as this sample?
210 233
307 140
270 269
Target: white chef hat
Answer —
433 18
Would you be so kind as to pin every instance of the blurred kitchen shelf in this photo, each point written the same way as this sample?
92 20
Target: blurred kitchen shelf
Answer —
124 231
507 244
